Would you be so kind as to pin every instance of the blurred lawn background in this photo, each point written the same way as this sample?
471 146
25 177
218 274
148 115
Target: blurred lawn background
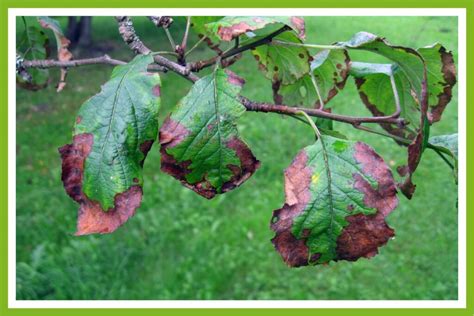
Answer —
181 246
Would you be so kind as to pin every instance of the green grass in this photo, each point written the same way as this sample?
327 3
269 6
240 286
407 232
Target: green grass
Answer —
181 246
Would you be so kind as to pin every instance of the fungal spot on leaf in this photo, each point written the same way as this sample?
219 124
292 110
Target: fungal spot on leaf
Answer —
156 91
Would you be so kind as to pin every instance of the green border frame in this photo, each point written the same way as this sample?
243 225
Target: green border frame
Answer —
6 4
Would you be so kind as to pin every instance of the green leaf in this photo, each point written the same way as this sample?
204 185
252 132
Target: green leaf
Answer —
198 24
412 65
33 46
199 141
447 145
449 142
283 64
231 27
62 45
330 71
102 169
338 193
441 72
375 89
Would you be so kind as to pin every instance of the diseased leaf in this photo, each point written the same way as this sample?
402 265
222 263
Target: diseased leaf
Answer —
198 23
412 65
283 64
441 72
375 90
33 47
338 193
62 44
231 27
330 70
114 130
199 141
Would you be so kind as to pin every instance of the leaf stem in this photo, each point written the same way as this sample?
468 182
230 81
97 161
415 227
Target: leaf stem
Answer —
195 45
170 38
311 122
283 43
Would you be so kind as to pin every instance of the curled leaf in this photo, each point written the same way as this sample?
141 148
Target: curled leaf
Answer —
441 72
199 141
412 65
231 27
338 193
62 44
102 168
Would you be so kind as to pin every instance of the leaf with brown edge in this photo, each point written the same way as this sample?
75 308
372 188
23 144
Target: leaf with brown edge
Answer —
62 44
375 90
231 27
102 169
200 145
412 65
441 72
338 194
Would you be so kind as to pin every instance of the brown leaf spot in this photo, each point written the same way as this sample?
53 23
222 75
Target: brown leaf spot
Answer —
227 33
156 91
301 55
297 181
234 79
365 233
298 24
78 119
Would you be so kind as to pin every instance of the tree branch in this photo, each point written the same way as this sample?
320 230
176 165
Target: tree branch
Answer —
290 110
127 31
196 66
128 34
50 63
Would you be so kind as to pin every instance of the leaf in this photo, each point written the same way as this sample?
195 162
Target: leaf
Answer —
441 72
199 141
198 23
231 27
114 130
375 90
412 65
283 64
330 69
33 47
62 44
338 193
447 145
449 142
